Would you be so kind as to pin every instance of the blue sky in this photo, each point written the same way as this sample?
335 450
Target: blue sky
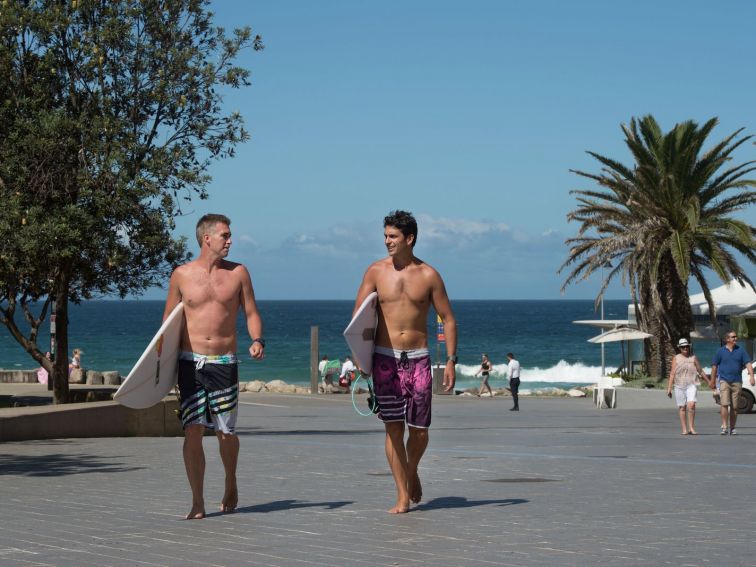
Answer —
469 114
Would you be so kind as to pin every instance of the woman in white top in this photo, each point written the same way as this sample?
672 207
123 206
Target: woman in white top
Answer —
684 377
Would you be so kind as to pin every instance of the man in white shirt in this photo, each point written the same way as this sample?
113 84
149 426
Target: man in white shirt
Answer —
322 365
513 369
347 372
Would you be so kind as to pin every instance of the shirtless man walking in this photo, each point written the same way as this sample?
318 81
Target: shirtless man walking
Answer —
407 287
212 290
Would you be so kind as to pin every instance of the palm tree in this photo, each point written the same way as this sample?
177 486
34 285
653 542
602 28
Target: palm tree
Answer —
662 220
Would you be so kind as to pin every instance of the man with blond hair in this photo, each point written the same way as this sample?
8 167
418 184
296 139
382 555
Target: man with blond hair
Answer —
213 291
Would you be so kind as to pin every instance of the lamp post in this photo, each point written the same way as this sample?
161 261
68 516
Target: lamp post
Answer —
53 345
606 264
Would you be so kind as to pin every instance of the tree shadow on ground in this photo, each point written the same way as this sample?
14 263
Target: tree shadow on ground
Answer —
59 465
462 502
281 505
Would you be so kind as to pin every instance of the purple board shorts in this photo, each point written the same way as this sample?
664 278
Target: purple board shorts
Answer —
403 385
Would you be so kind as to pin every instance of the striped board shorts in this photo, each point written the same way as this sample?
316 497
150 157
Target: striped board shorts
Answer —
209 390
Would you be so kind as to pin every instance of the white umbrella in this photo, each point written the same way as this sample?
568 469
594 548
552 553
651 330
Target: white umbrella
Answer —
621 334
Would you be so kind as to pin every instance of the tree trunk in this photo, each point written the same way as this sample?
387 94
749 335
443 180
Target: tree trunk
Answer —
666 314
649 322
655 346
675 313
60 367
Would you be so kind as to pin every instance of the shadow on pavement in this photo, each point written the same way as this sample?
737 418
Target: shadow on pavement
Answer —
462 502
280 505
308 432
58 465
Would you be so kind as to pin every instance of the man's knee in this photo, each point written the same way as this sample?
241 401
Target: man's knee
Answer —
224 437
194 432
418 433
395 429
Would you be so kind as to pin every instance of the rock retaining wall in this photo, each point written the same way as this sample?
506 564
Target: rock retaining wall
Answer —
18 376
78 376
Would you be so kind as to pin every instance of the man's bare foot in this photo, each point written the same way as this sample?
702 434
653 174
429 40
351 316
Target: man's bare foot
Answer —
415 489
399 509
230 500
197 512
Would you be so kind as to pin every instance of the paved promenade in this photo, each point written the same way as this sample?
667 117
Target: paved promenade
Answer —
559 483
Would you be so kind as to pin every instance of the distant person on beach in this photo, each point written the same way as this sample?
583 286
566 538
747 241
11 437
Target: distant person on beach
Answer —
513 369
75 363
484 371
346 377
43 375
213 291
728 364
684 376
329 369
322 365
406 287
324 377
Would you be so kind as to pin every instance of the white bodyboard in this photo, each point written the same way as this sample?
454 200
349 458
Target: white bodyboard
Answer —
360 333
156 371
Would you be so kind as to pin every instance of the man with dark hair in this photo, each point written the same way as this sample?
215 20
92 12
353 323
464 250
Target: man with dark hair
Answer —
513 369
403 221
729 362
212 290
406 287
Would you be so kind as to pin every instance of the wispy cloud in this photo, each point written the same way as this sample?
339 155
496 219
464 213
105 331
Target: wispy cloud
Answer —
477 257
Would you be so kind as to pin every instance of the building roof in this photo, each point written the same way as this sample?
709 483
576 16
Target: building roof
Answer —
730 299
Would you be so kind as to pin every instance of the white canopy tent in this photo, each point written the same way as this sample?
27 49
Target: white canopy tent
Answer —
730 299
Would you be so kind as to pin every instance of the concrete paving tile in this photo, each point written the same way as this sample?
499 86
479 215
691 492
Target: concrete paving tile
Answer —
560 483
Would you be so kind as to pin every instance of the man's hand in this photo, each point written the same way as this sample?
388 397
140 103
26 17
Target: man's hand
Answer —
753 383
257 351
450 376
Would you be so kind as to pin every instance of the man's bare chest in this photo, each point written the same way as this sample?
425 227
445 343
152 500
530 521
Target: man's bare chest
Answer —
401 288
200 289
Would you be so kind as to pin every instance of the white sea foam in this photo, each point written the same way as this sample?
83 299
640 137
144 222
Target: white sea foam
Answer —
576 373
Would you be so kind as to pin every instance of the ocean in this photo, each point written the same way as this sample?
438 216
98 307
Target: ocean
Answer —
552 350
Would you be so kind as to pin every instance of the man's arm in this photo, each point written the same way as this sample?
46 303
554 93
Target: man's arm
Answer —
174 294
749 367
441 304
367 287
713 379
700 369
254 321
